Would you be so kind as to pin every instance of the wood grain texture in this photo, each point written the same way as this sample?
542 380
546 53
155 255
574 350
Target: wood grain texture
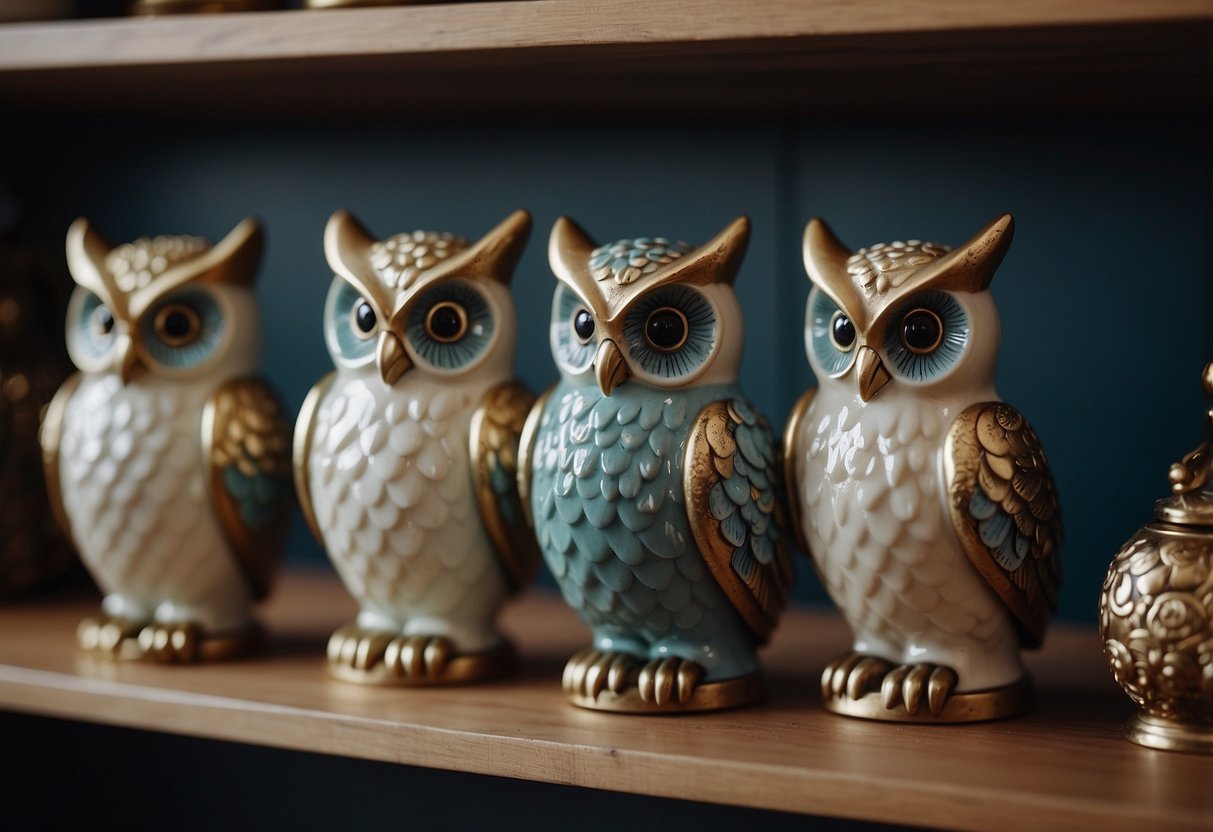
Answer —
581 55
1063 767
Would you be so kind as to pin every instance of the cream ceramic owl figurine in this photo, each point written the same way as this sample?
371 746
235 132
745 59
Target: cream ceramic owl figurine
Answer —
926 503
406 456
653 484
169 461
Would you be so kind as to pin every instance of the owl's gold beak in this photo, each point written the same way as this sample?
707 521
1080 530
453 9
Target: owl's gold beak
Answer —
130 367
609 367
393 361
870 372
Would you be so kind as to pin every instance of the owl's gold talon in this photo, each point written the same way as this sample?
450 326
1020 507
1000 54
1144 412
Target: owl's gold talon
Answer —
864 674
173 643
618 675
841 672
663 680
370 650
690 675
438 651
913 686
943 679
890 688
646 683
105 635
596 675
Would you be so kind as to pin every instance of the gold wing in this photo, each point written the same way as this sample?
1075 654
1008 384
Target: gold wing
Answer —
48 436
790 457
303 446
246 446
526 450
735 504
1005 510
496 429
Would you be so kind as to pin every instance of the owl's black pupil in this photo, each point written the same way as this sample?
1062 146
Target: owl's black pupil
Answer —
176 325
666 329
921 331
365 316
105 319
844 331
445 323
583 325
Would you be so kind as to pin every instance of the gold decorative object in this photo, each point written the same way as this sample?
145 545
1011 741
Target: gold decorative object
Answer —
32 366
158 7
1156 611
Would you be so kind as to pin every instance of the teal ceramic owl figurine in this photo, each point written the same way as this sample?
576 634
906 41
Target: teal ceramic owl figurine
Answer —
653 485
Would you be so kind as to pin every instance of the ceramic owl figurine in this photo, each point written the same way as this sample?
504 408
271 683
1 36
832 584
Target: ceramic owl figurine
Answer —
652 483
169 460
925 501
406 456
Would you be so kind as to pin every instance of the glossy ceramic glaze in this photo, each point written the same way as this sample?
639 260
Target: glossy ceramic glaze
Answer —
394 458
653 484
918 562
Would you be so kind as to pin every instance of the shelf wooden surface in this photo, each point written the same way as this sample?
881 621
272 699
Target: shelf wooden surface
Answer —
663 56
1062 767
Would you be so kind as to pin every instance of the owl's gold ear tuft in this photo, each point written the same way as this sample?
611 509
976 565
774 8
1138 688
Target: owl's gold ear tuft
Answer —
971 267
496 254
569 249
716 261
825 256
347 246
235 258
86 252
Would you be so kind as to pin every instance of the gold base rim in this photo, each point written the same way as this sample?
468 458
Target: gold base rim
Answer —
460 669
709 696
1169 734
356 4
209 648
971 706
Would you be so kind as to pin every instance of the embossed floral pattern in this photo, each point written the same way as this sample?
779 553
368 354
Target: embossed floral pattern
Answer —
1156 619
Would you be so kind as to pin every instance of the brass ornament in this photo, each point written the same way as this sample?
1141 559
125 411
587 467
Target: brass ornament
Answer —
1156 611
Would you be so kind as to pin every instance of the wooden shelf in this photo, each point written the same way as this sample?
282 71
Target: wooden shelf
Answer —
628 58
1063 767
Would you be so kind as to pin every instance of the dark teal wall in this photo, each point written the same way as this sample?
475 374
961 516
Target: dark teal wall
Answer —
1105 296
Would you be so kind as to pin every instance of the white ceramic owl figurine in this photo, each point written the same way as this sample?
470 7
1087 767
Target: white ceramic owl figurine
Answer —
168 460
652 482
926 503
406 456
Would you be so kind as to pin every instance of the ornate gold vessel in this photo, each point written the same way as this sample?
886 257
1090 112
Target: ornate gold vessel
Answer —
1156 611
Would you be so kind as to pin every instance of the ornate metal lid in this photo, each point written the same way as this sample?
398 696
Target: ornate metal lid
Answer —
1191 500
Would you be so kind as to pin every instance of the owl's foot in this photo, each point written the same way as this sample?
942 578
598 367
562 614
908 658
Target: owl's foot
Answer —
608 681
185 642
104 635
872 688
172 643
853 675
375 657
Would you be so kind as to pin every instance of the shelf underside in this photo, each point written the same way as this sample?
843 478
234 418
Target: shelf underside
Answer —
1062 767
628 59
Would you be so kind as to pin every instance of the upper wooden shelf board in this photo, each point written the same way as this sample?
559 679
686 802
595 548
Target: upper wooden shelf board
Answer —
1062 767
580 54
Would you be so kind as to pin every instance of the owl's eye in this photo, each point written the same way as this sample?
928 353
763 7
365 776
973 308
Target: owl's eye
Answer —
446 322
451 325
103 320
670 333
829 335
184 331
571 331
927 339
177 324
921 331
666 329
583 325
364 319
842 332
